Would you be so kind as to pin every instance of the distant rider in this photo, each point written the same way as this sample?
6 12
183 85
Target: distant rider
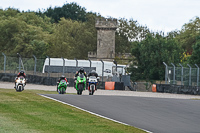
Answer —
93 73
21 73
61 78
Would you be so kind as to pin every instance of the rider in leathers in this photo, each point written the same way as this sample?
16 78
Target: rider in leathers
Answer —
93 73
61 78
21 73
80 71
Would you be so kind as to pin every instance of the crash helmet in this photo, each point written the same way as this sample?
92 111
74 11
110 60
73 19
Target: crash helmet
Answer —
81 70
21 72
62 77
93 71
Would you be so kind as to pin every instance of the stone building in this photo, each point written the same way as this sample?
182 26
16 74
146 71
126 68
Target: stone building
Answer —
105 40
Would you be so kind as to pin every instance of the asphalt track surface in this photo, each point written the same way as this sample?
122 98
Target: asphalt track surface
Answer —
154 112
157 115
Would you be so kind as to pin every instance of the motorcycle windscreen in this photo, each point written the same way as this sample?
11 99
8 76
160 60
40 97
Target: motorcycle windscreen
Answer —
21 77
63 83
92 77
81 75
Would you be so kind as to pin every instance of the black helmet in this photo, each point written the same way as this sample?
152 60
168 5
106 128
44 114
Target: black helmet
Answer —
81 70
22 72
62 77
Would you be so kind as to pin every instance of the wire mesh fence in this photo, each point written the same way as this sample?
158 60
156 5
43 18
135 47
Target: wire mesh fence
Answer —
45 68
187 76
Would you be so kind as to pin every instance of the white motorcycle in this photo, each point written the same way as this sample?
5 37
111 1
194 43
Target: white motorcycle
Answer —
20 83
92 84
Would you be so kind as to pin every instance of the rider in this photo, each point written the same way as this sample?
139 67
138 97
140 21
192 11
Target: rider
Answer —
61 78
80 71
21 73
93 73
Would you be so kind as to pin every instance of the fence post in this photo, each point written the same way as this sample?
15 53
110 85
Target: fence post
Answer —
166 72
90 64
35 64
76 63
102 70
189 75
174 73
19 61
63 65
115 62
197 75
49 65
4 68
181 73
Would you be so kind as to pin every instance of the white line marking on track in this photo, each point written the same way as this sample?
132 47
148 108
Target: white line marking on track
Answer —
92 112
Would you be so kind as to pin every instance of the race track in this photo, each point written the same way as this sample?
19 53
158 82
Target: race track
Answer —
158 115
154 112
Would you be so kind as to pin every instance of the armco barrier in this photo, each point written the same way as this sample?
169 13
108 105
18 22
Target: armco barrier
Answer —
8 77
178 89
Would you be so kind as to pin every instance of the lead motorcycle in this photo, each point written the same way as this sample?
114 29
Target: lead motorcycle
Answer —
92 84
80 83
20 83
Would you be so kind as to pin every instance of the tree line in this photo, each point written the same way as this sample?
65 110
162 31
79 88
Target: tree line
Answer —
69 31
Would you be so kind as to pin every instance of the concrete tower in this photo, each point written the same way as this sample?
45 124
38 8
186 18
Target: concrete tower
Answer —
106 38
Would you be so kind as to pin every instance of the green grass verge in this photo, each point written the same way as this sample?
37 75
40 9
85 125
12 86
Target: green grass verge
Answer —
27 112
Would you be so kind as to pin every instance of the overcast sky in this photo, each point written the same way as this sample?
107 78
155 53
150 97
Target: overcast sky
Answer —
157 15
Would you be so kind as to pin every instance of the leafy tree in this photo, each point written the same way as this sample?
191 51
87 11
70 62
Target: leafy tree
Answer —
68 11
195 57
127 32
9 12
150 54
71 39
21 35
188 34
32 19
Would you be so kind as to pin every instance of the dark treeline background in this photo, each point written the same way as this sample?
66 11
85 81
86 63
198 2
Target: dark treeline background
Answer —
69 31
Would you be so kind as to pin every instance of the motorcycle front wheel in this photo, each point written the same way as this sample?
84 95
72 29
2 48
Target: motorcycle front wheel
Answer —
80 89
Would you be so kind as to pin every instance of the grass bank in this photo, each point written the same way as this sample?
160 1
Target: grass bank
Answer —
22 112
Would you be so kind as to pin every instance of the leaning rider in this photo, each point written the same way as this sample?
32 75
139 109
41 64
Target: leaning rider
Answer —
61 78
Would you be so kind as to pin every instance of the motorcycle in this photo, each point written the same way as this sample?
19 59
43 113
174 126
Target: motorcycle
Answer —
62 86
92 84
20 83
80 83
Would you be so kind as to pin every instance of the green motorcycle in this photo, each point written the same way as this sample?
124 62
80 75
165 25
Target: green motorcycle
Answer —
80 83
62 86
